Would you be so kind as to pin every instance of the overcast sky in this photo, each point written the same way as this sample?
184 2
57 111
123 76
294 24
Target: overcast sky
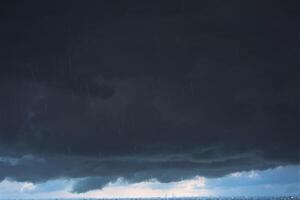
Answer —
146 97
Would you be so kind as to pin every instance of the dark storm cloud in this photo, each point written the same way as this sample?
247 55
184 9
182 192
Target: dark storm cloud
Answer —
165 90
98 172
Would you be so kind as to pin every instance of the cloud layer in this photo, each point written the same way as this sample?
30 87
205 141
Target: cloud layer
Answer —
165 91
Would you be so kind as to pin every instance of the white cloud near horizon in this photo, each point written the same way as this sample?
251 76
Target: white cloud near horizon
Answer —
277 181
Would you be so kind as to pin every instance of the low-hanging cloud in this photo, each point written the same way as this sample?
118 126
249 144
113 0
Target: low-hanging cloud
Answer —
165 104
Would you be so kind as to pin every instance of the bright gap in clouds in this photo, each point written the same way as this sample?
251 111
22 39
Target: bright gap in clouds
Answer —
152 188
273 182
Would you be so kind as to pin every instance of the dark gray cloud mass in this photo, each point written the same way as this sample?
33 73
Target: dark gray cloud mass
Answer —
100 90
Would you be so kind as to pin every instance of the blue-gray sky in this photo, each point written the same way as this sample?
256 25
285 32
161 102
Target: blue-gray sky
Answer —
101 91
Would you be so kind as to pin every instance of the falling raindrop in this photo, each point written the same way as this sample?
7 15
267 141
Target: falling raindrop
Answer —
45 107
192 88
237 51
33 74
70 65
68 150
